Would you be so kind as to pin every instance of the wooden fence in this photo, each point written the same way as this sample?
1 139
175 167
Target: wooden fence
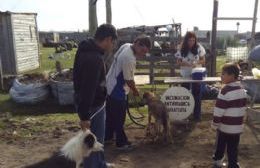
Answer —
156 68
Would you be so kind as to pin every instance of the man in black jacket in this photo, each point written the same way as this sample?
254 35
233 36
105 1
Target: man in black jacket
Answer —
90 87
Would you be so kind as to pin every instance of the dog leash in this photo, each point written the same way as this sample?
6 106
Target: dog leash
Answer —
137 109
133 118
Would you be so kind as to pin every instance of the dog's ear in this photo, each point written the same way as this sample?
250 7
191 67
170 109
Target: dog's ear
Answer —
148 95
89 140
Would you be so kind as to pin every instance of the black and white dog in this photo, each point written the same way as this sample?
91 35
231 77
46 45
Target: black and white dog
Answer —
81 146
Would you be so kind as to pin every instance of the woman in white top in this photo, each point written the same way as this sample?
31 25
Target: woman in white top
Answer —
190 55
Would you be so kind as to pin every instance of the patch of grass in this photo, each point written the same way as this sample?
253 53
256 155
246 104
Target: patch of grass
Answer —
48 58
2 125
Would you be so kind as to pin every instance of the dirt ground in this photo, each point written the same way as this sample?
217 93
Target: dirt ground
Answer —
192 148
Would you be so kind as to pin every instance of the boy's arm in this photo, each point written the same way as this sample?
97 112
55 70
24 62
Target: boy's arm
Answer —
131 85
128 72
219 110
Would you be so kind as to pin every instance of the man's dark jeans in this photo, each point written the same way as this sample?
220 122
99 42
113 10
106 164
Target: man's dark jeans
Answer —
116 114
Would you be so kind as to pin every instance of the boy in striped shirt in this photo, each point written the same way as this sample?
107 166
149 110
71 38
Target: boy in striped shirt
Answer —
228 116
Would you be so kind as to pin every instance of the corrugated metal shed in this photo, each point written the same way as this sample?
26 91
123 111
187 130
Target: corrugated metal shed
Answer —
19 42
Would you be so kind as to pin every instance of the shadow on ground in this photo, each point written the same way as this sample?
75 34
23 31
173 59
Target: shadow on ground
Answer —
55 161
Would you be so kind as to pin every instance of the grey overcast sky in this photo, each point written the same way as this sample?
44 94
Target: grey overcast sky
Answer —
72 15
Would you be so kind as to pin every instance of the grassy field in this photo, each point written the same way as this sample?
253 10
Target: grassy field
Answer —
49 112
48 58
67 59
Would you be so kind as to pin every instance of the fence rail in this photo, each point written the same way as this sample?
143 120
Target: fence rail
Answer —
156 67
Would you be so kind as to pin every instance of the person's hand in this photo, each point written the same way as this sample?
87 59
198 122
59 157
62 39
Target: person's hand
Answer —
194 65
185 63
85 125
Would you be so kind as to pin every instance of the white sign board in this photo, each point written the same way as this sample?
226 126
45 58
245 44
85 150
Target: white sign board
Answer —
179 102
141 79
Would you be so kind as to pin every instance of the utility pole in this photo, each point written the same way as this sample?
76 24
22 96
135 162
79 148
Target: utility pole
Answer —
214 31
108 12
1 76
252 41
253 25
92 16
213 39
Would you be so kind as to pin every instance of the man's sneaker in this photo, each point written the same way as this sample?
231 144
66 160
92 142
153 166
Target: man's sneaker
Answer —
126 147
219 164
110 165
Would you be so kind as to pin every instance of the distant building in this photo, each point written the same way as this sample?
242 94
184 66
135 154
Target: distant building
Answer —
220 33
244 36
204 36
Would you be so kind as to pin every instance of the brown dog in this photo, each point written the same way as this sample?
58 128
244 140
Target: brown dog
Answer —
158 111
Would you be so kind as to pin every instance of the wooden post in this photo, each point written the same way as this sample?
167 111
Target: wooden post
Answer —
108 12
172 67
253 25
252 42
1 76
213 39
92 18
151 72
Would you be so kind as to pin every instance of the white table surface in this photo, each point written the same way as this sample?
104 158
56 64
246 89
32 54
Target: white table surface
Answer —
178 80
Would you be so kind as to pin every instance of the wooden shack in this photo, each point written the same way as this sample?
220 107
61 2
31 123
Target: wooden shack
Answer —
19 46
